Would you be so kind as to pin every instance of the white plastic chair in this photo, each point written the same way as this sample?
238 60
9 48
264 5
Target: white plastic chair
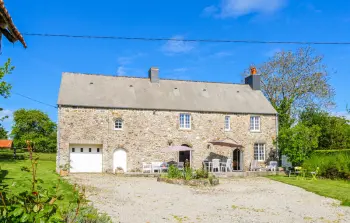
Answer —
156 166
272 166
216 165
254 166
227 166
146 167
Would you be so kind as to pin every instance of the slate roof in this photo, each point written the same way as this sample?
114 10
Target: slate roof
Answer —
85 90
8 28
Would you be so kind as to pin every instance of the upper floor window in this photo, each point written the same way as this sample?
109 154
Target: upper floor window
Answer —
185 121
227 123
118 124
259 151
255 123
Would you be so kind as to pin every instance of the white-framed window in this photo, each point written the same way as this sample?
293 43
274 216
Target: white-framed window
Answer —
259 151
185 121
255 123
227 123
118 124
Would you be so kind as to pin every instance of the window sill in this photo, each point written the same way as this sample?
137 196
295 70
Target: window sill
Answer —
227 130
118 129
255 131
185 129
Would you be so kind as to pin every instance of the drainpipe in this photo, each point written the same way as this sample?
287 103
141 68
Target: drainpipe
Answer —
58 158
278 155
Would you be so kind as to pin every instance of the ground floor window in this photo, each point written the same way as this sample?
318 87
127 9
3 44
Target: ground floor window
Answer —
259 151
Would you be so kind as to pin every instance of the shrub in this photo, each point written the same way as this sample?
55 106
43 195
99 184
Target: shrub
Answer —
174 172
201 174
188 174
332 165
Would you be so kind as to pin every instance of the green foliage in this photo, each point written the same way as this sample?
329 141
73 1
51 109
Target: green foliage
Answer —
38 203
333 151
298 142
201 174
174 172
188 173
35 126
4 92
332 165
335 131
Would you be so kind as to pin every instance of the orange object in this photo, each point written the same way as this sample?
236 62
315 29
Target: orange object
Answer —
5 144
253 70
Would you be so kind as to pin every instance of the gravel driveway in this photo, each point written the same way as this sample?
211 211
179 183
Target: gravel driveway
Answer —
236 200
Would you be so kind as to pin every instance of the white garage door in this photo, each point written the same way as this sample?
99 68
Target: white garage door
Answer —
85 158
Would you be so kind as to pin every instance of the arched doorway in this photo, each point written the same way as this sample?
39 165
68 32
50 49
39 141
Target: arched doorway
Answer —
119 159
185 155
237 160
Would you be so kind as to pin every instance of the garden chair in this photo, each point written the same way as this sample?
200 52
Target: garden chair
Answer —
216 165
299 172
272 166
180 165
156 167
227 166
315 173
146 167
254 165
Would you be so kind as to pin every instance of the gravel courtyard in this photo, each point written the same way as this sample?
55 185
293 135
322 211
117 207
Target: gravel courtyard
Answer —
235 200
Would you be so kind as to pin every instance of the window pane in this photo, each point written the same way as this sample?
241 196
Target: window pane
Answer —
227 122
81 150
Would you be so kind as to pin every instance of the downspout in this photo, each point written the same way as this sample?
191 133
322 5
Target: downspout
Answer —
278 155
58 161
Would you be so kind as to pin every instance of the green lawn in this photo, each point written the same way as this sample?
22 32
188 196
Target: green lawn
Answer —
337 189
18 181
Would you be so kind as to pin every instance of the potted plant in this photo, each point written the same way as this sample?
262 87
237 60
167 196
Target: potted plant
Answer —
64 170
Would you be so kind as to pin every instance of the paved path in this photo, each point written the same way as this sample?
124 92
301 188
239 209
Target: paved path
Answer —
237 200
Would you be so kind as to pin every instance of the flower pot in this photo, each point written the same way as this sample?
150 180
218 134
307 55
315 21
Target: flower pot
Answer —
63 173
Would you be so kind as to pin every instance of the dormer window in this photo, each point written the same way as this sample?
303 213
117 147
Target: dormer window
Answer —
227 123
118 124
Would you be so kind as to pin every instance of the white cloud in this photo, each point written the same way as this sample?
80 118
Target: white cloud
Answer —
181 69
121 71
237 8
344 114
222 54
8 121
177 46
210 10
124 60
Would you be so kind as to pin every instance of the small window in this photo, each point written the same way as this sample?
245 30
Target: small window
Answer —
255 123
185 121
118 124
81 149
98 150
89 150
73 150
259 151
227 123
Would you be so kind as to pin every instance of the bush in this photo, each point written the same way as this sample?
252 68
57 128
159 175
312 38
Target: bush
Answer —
174 172
201 174
332 165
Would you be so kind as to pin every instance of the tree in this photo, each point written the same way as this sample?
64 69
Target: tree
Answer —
294 80
298 142
4 92
335 131
36 126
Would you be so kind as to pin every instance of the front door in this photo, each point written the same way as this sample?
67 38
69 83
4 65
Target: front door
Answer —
119 159
237 159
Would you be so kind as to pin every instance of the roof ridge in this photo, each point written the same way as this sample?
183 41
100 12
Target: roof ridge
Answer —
161 79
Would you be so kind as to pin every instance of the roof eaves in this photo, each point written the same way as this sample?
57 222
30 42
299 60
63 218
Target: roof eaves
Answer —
7 20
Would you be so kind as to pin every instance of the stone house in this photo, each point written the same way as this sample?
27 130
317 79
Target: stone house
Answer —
105 122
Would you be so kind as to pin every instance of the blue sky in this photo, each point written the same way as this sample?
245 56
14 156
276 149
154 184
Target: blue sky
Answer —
38 68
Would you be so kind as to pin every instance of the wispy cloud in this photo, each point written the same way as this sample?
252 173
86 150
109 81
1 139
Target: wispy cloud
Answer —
237 8
121 71
344 114
124 60
312 8
272 52
177 47
8 121
180 70
222 54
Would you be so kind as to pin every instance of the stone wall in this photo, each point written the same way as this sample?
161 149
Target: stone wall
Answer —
145 132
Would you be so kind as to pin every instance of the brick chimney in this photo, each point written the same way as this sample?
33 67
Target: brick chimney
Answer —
153 74
253 79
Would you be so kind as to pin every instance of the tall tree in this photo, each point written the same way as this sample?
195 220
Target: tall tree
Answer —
294 80
335 131
4 92
36 126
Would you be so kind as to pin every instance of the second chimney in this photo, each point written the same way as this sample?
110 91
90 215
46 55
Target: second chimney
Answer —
253 80
153 74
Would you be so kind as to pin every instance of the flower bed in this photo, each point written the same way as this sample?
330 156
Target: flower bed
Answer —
193 182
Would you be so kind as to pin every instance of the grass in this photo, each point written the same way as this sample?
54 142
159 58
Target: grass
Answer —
18 181
337 189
